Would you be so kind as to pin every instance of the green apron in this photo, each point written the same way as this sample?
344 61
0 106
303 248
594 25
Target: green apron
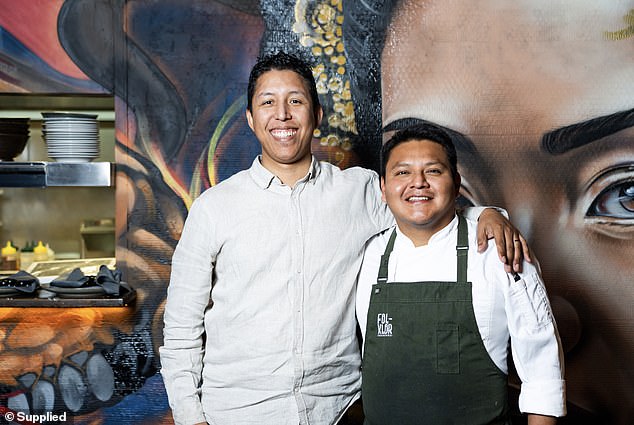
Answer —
424 361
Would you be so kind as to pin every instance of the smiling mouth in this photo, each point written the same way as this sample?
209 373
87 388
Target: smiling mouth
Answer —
284 133
417 198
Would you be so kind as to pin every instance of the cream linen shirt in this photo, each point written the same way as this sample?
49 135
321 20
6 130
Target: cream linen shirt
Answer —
503 307
267 273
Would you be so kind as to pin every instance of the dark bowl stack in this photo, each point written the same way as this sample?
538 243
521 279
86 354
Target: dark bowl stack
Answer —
14 133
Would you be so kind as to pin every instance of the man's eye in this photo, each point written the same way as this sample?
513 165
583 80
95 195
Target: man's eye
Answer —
616 201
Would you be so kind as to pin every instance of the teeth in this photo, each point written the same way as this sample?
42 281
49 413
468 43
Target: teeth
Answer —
284 133
418 198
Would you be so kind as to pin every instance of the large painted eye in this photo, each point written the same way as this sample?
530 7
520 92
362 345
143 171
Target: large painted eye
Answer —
610 197
616 201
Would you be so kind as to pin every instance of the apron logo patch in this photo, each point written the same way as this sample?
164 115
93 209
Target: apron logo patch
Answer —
383 324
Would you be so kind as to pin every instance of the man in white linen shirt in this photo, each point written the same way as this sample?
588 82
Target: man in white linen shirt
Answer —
436 317
259 320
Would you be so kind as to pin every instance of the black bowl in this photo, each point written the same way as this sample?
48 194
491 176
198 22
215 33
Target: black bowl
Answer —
12 145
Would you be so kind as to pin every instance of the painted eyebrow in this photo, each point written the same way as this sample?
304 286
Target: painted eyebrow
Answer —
462 142
573 136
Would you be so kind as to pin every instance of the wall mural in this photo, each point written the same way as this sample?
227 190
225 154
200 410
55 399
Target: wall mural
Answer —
542 92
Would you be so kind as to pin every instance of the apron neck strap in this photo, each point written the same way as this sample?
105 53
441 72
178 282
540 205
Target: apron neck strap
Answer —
385 259
462 249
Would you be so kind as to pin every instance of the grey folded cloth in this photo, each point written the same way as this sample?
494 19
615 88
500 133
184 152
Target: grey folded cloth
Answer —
109 280
21 281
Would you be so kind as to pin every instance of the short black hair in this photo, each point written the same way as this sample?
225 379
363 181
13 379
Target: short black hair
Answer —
422 131
281 62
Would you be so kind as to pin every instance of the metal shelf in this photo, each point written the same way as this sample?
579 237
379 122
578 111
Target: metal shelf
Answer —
51 174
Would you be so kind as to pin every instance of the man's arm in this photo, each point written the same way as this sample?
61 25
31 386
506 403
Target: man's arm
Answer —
541 420
511 245
187 299
535 345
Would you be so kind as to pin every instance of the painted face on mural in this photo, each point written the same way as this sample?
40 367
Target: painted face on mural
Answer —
283 118
419 188
506 76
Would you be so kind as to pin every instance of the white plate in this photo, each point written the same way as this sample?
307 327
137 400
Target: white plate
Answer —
73 129
73 160
72 138
70 121
69 127
79 143
73 148
71 133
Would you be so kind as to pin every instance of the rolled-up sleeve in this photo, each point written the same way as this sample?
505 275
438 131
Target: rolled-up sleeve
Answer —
187 299
535 346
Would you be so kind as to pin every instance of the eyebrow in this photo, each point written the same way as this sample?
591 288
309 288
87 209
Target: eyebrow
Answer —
566 138
291 92
427 164
462 142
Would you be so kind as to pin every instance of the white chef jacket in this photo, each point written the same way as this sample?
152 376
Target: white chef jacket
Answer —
503 307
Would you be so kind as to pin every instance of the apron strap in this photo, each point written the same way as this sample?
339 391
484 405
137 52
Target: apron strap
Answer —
462 249
385 259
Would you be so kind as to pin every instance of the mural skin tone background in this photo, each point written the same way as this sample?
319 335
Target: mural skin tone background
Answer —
504 76
500 74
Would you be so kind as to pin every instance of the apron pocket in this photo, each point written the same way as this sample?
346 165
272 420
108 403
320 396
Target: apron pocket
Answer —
447 348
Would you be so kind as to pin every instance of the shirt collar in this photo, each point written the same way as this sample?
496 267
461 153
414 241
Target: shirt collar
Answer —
265 179
405 242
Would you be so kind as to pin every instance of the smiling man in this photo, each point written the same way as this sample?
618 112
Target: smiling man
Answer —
436 317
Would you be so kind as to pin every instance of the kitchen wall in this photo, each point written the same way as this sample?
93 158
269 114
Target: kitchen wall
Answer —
54 215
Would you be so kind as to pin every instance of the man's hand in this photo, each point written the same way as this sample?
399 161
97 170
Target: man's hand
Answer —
512 246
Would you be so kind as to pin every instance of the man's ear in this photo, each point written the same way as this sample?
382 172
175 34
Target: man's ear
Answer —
249 119
383 190
457 184
319 114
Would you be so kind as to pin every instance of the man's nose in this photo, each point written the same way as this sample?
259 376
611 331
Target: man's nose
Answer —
419 180
282 112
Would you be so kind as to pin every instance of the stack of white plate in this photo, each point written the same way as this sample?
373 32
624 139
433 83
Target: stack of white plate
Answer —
71 137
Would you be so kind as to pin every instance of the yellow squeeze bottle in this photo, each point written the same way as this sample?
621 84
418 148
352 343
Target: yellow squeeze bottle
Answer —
40 253
10 257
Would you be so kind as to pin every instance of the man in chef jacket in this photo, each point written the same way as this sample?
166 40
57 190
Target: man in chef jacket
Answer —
436 316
